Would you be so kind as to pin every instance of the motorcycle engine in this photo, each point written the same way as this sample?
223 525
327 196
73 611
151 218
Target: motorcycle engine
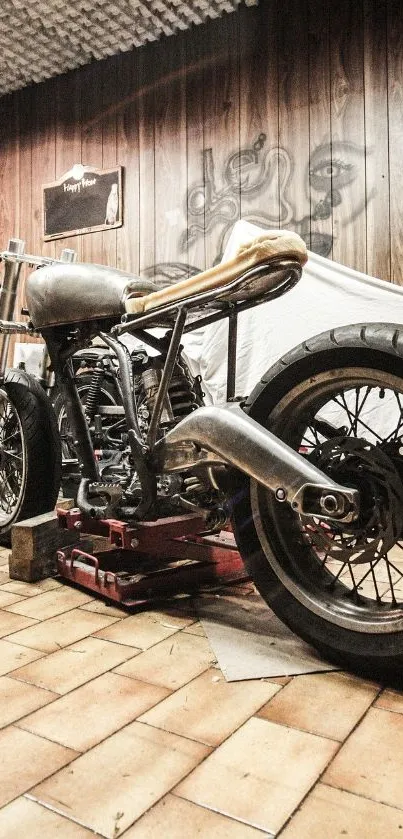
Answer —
184 395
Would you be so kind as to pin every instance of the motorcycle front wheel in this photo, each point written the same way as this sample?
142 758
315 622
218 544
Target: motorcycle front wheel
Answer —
338 400
30 452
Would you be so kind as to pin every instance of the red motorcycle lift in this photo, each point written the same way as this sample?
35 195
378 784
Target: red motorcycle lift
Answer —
149 561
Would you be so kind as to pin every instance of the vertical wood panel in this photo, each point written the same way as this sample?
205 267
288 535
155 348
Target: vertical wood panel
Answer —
9 181
294 118
147 64
193 237
23 199
221 135
348 135
68 139
170 159
320 150
128 236
43 158
109 144
395 97
91 144
259 154
376 138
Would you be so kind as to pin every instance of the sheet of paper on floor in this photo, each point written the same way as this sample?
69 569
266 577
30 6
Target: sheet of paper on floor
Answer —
251 643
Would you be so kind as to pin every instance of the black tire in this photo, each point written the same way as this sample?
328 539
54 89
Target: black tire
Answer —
30 439
293 559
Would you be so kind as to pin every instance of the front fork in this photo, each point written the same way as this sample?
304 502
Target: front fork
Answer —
8 296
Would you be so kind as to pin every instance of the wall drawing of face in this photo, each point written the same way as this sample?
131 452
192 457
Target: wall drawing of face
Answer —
262 185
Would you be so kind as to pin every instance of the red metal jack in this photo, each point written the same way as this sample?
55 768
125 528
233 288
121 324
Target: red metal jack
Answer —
149 561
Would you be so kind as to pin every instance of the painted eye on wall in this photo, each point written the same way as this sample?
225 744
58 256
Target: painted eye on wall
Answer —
334 165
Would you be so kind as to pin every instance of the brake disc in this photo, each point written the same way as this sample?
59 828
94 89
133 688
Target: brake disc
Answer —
358 463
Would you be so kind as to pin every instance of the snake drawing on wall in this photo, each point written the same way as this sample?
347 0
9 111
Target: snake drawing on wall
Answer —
264 186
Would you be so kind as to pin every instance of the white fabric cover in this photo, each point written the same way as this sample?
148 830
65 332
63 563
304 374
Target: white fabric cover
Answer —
327 295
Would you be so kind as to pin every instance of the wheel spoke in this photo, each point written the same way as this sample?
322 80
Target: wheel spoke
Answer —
12 462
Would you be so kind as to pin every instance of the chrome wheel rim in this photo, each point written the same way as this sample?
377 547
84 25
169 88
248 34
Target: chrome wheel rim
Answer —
12 463
352 577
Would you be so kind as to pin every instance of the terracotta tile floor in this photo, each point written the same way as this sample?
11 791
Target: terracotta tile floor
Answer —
122 725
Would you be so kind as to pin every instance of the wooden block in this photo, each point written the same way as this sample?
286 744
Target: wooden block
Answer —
34 543
65 504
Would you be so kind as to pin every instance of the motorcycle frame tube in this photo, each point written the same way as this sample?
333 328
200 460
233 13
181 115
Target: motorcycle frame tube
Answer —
166 375
123 358
231 354
75 413
8 297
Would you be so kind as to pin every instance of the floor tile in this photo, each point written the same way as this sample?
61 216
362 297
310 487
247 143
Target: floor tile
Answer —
67 669
86 716
61 631
209 708
18 699
171 663
329 704
24 817
100 607
144 629
26 759
371 761
195 629
7 598
116 782
50 603
390 700
50 583
169 817
30 589
12 623
260 774
13 656
4 575
329 812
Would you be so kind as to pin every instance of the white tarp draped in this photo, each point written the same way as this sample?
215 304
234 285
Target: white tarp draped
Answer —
328 295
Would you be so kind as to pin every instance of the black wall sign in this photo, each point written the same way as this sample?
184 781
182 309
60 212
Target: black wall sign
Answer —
82 201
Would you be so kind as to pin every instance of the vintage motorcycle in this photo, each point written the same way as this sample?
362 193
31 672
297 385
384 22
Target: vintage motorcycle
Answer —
313 489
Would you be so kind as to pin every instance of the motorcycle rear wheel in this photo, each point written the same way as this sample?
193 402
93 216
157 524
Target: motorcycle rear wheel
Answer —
30 452
340 588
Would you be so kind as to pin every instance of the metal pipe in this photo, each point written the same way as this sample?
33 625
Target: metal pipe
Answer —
124 360
8 295
76 419
166 376
232 345
244 444
291 271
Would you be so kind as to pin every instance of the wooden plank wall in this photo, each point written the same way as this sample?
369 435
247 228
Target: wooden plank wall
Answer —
288 114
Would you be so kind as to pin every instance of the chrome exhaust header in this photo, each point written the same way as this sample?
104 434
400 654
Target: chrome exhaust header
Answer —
234 438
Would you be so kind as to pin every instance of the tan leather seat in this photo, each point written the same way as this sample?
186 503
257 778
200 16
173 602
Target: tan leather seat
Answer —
271 245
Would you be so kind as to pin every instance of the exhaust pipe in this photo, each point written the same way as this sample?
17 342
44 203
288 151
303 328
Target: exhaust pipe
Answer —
238 440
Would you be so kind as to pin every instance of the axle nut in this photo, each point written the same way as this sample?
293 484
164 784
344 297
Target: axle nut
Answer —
329 504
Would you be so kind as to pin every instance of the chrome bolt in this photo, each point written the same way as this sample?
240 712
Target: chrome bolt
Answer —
134 543
280 494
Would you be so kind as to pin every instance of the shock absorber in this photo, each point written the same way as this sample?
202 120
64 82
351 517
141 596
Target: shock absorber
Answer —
182 395
181 398
94 391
